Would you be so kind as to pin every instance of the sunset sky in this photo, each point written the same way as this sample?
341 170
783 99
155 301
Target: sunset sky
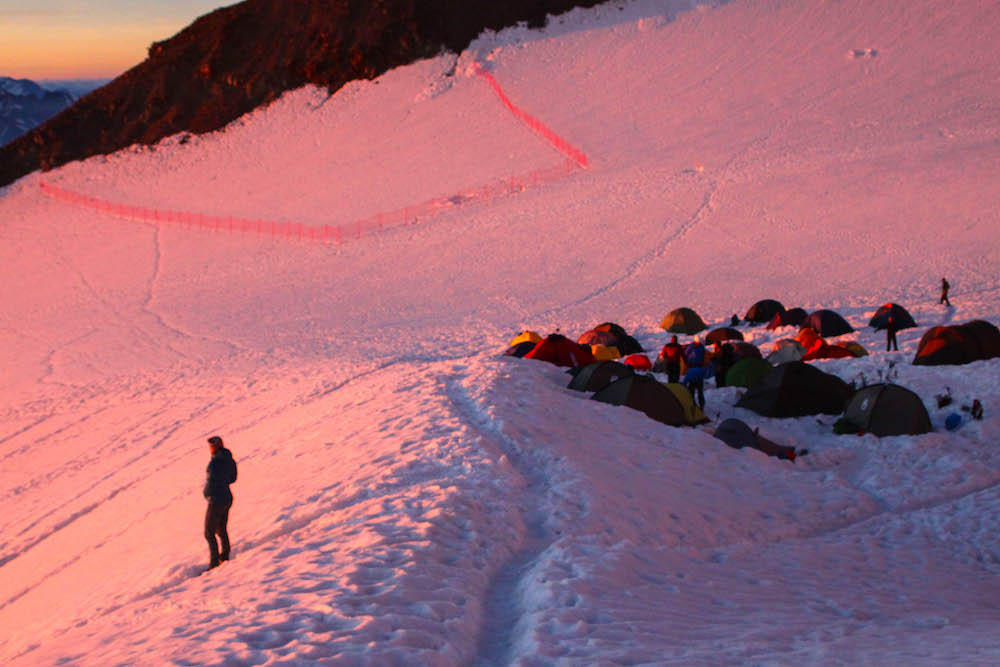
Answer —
68 39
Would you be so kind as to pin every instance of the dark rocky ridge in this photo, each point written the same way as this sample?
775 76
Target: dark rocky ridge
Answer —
238 58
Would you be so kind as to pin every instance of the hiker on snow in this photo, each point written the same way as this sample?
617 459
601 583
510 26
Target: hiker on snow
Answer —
890 335
221 473
944 292
694 379
669 360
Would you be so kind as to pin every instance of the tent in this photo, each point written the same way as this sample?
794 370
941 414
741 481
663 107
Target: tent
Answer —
987 337
595 337
854 347
824 350
795 389
638 361
692 413
722 334
958 344
793 317
526 336
747 372
738 435
663 403
596 376
743 350
900 317
807 337
626 344
683 321
561 351
764 311
605 353
827 323
521 349
888 409
785 350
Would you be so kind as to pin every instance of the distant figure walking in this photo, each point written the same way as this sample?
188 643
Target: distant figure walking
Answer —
890 335
944 292
221 473
669 360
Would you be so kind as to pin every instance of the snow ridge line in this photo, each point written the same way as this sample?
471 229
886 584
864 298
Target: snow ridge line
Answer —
353 230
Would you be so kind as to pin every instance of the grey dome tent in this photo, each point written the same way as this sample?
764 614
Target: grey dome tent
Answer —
888 409
900 317
764 311
663 403
793 317
596 376
827 323
796 389
722 334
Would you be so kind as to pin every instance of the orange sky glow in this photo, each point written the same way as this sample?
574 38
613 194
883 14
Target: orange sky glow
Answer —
87 39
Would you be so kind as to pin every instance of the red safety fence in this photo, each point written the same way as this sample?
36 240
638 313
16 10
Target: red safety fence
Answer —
563 146
354 230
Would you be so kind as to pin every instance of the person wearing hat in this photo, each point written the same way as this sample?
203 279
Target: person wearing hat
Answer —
221 473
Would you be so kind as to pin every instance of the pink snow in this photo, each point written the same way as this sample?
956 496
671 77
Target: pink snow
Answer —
409 496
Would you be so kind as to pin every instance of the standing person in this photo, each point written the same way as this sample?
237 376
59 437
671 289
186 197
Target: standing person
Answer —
670 359
944 292
890 335
723 359
221 473
694 378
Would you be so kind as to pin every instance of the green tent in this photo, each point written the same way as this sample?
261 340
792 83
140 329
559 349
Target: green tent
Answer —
746 372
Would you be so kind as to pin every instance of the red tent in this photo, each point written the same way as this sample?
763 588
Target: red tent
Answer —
561 351
826 351
638 361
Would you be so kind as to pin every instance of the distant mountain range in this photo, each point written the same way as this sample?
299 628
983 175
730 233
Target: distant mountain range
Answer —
240 57
24 105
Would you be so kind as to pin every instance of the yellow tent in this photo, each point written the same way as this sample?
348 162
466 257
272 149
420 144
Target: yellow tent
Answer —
692 413
526 336
605 353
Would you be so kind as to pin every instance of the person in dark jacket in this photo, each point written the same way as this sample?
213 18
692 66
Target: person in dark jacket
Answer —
890 335
723 358
669 360
944 292
221 473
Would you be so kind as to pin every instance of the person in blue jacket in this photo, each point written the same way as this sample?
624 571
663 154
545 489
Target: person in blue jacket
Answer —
221 473
694 378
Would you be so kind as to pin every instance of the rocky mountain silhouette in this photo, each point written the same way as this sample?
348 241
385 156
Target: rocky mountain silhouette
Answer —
240 57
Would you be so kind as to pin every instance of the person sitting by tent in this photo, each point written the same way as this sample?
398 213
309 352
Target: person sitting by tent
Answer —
890 335
723 359
734 320
669 360
944 292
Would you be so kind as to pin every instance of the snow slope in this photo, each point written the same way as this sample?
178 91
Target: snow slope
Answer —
408 496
